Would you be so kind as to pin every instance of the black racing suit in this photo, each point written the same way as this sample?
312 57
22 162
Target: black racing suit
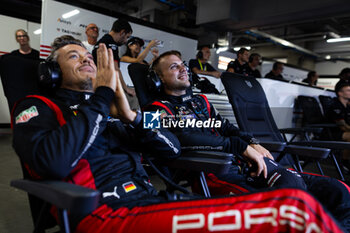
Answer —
228 138
90 149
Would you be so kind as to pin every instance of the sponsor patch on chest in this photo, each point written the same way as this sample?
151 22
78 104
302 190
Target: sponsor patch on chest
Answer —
27 114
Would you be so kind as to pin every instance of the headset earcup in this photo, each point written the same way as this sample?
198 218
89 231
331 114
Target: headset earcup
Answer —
200 54
49 74
154 81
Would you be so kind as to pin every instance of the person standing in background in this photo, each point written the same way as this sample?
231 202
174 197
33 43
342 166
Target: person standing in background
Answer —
133 52
92 32
24 50
118 36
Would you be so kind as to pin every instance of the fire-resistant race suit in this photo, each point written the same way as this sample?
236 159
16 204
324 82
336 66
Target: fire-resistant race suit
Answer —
71 137
210 131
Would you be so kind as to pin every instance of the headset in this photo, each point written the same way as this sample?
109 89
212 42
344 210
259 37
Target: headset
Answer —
50 75
199 54
154 82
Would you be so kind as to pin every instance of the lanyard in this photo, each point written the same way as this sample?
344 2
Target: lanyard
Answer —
200 64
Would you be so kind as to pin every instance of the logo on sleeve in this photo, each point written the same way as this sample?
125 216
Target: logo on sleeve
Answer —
129 186
27 114
151 120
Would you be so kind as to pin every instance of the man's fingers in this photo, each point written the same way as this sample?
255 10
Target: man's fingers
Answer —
265 169
102 56
110 58
99 59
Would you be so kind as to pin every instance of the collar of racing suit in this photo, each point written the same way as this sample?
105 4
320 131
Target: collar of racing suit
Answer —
178 99
71 97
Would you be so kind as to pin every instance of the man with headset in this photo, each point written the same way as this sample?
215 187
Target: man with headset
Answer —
252 66
177 104
74 136
200 65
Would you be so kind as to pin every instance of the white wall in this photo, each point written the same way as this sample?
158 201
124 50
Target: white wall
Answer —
330 67
9 25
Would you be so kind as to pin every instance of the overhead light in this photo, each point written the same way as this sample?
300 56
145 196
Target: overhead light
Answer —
236 48
341 39
222 49
37 32
328 57
70 14
248 47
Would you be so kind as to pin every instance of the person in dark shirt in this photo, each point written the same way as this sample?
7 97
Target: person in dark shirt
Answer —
339 113
118 36
176 104
251 67
311 79
239 66
24 50
276 72
200 65
82 140
344 76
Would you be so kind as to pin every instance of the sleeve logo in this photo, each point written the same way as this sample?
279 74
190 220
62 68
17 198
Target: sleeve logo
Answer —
27 114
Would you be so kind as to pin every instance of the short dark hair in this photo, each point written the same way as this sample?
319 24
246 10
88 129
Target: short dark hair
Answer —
60 42
155 63
339 86
311 74
276 64
253 55
344 71
241 51
121 24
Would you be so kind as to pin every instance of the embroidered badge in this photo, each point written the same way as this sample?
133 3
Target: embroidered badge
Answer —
129 186
27 114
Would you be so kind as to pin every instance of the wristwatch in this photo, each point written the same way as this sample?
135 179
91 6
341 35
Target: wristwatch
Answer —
254 141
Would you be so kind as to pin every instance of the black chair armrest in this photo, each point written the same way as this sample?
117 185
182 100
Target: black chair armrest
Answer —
301 130
207 154
312 152
201 164
328 125
274 146
76 199
334 145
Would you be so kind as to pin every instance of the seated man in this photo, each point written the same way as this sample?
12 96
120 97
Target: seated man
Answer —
276 72
200 65
177 105
239 66
339 113
252 66
74 137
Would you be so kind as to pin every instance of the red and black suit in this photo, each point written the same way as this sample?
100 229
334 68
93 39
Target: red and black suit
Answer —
228 138
71 137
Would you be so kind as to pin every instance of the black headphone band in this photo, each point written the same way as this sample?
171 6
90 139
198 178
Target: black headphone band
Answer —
49 74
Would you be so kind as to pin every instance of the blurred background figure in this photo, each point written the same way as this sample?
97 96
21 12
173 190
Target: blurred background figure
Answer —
252 66
133 51
239 66
24 50
311 79
276 72
200 65
344 75
92 32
